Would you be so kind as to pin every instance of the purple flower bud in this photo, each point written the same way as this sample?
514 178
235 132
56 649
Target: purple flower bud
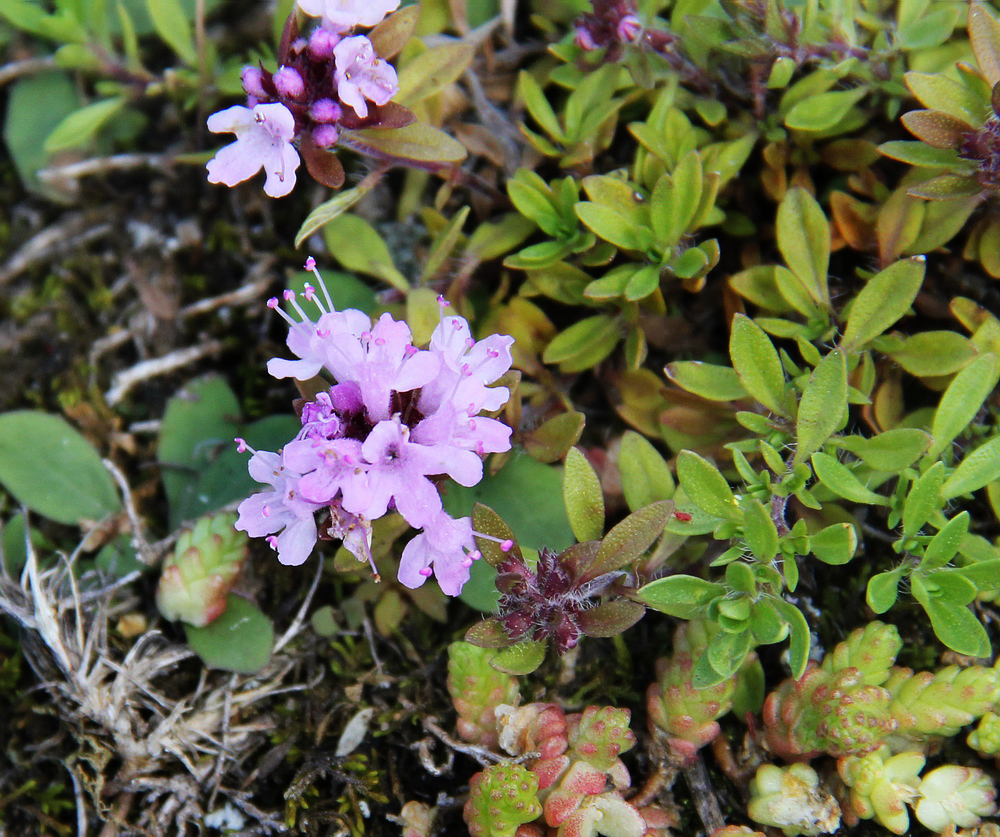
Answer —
325 136
252 82
289 83
629 28
325 110
584 39
322 42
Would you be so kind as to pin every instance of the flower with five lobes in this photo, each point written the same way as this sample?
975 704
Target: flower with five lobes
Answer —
263 140
398 420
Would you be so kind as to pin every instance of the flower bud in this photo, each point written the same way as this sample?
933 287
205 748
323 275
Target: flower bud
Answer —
252 78
289 82
325 110
325 136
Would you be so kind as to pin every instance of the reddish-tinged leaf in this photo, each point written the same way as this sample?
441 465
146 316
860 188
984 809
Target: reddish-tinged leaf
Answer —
984 34
631 538
288 36
391 35
322 164
579 557
936 128
485 521
488 634
417 144
611 618
946 187
389 115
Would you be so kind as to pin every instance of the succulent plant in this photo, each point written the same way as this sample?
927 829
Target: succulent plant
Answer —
476 689
501 798
871 650
882 785
985 738
942 702
838 714
206 562
955 796
791 799
677 707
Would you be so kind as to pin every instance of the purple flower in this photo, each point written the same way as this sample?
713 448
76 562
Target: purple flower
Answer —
398 421
397 470
345 14
281 508
263 139
361 75
445 548
467 367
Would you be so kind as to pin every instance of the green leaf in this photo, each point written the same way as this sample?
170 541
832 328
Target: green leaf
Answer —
962 400
929 354
522 658
823 112
645 476
583 497
716 383
984 574
431 71
920 154
172 25
630 538
416 143
326 212
359 247
823 406
765 623
804 241
841 481
984 33
50 468
759 530
835 544
978 468
943 547
644 281
199 422
883 590
443 245
799 640
609 224
938 92
79 127
757 364
684 596
240 640
923 500
538 106
552 440
890 451
954 624
25 121
887 297
584 344
726 653
706 487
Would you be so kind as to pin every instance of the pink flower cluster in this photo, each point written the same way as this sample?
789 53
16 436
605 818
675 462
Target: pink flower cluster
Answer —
397 420
306 101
